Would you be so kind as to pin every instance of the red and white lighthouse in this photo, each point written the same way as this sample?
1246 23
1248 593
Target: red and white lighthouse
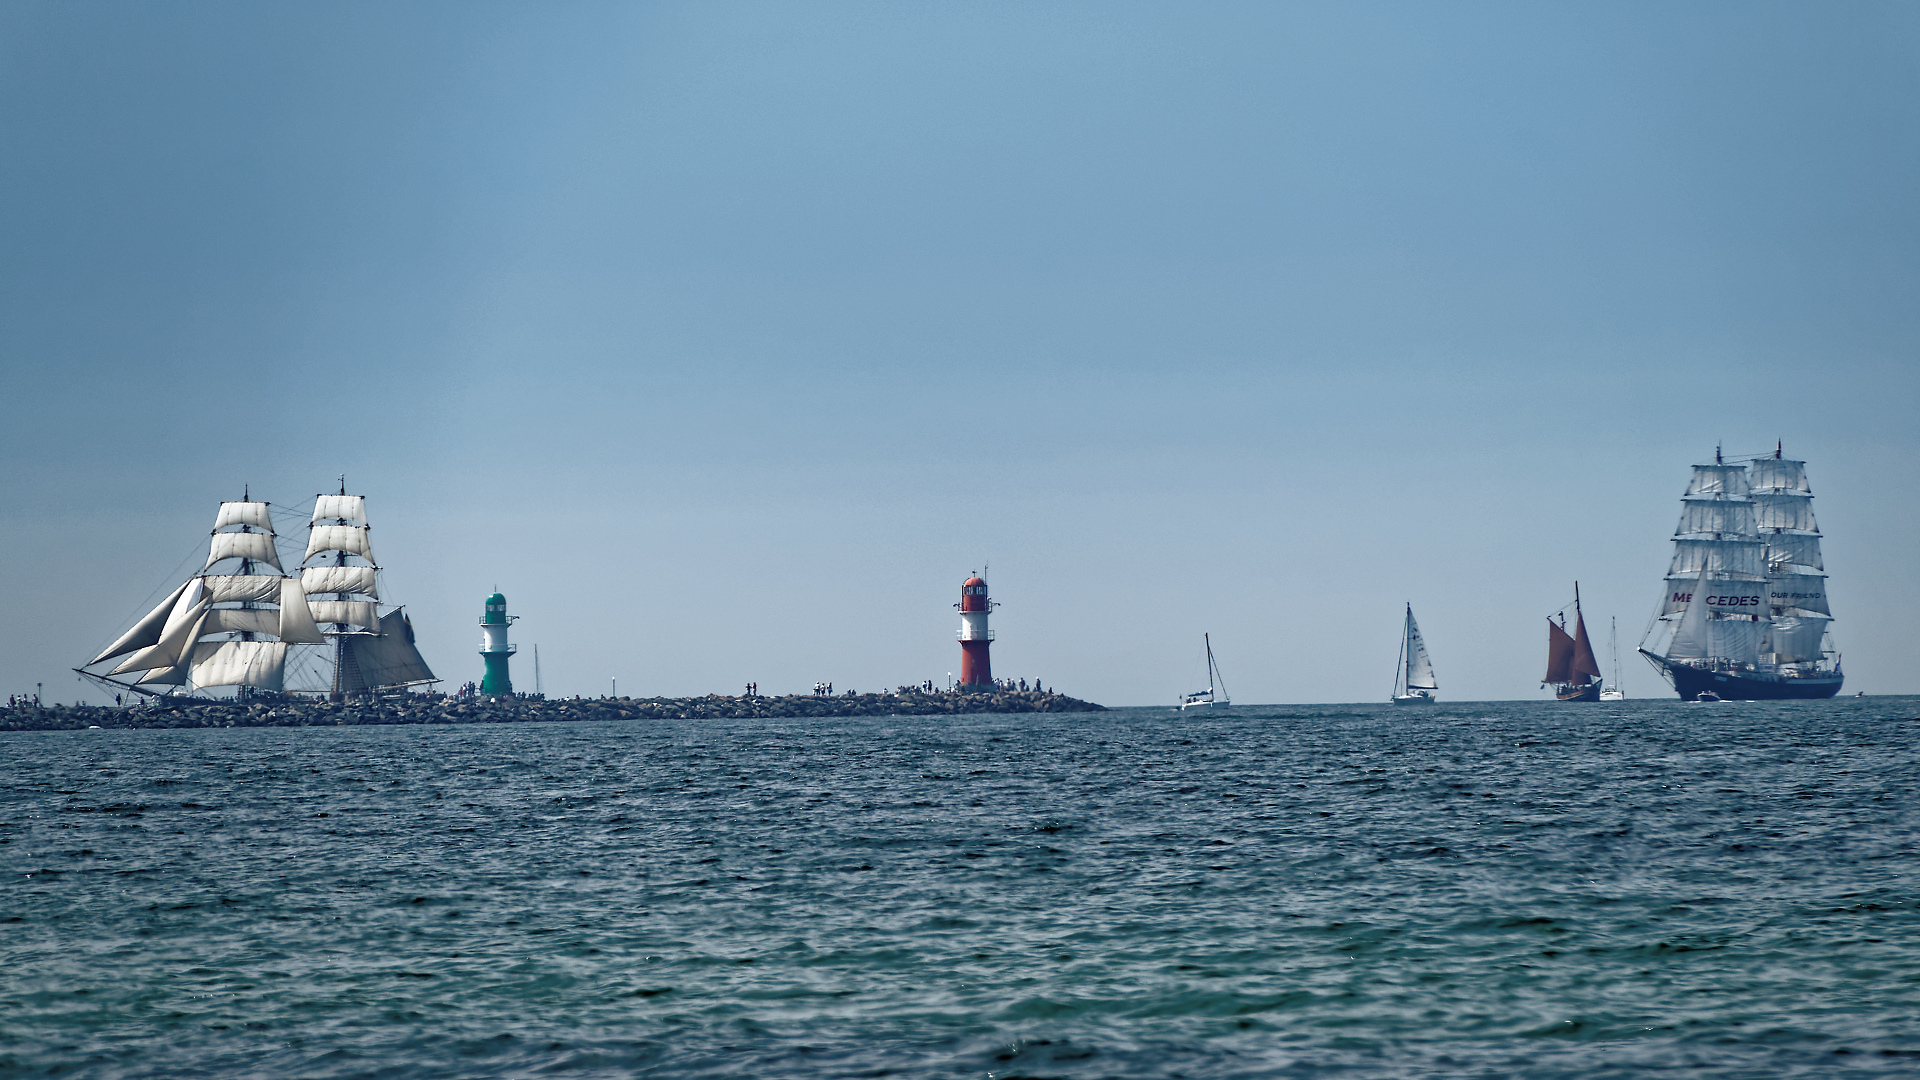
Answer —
976 667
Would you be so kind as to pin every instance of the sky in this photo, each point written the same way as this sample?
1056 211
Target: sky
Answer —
727 339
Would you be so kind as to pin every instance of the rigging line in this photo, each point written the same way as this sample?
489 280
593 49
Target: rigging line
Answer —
147 605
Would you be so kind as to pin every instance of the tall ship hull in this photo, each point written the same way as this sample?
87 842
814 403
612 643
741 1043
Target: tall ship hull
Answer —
1691 681
1743 614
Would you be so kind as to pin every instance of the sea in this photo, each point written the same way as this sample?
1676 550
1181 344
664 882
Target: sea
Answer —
1499 889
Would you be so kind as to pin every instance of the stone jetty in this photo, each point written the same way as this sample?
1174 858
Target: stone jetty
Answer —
187 712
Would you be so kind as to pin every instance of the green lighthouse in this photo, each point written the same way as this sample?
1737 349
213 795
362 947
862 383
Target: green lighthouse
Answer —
494 648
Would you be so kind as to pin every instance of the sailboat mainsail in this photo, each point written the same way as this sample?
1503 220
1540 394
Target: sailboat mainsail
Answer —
1572 669
231 628
1413 682
1744 612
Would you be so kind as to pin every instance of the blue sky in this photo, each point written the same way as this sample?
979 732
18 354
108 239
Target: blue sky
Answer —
727 339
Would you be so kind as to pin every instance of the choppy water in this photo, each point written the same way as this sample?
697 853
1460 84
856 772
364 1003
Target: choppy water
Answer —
1471 891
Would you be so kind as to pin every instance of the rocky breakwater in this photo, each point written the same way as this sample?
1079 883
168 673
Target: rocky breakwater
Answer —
436 709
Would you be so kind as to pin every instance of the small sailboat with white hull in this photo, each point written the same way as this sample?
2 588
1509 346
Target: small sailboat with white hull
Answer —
1216 691
1413 681
1612 691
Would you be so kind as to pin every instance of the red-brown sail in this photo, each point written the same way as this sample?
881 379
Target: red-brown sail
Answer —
1559 654
1585 667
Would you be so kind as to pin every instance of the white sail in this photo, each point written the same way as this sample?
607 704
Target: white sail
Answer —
244 513
1793 549
1736 638
250 620
1727 517
1718 556
1799 593
351 508
1419 665
145 632
188 607
174 644
1796 639
351 539
175 675
260 664
1719 479
1690 637
297 626
256 546
1778 474
339 579
1786 511
364 613
243 588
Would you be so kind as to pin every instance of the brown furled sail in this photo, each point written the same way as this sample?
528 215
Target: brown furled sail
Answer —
1585 668
1559 654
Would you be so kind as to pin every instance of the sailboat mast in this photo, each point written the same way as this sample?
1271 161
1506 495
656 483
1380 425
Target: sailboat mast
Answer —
1403 663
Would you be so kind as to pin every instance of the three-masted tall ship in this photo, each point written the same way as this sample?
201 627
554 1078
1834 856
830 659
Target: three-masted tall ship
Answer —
1744 612
1572 669
238 619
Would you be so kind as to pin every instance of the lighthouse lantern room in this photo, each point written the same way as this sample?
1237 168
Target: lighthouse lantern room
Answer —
976 666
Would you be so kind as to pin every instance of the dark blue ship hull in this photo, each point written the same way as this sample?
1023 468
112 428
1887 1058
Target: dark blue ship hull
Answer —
1748 686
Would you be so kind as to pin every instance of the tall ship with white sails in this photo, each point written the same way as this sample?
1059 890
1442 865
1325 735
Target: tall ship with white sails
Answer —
1413 680
1744 613
243 621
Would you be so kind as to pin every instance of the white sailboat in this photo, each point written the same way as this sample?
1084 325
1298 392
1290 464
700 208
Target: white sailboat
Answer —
236 620
1216 691
1413 681
1612 691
